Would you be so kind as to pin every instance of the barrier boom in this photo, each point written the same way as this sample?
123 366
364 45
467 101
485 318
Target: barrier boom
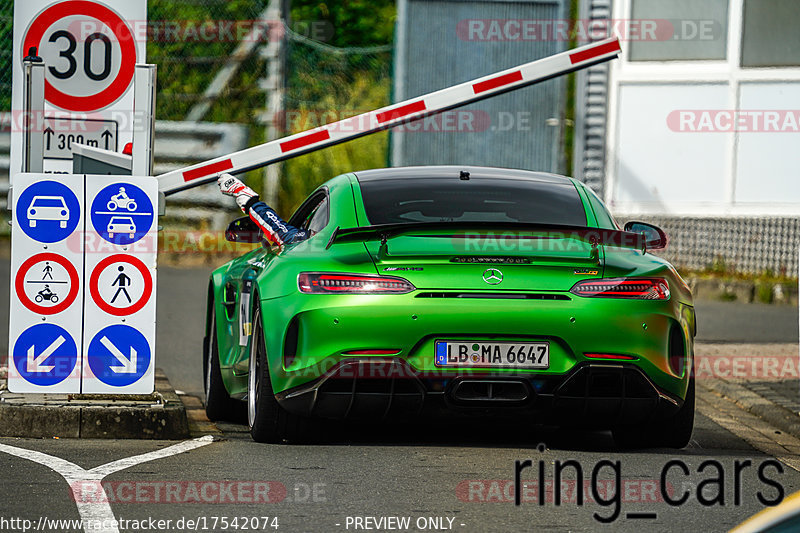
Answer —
390 116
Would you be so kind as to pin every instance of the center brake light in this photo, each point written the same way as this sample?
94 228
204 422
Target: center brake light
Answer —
631 288
327 283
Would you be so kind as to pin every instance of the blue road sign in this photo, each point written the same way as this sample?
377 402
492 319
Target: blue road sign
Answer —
119 355
122 213
48 211
45 354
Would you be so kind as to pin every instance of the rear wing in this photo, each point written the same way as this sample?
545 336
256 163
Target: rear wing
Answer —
384 232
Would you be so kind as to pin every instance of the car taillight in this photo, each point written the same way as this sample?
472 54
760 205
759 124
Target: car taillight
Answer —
323 283
632 288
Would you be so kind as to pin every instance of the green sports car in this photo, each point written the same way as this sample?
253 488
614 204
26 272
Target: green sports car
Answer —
458 292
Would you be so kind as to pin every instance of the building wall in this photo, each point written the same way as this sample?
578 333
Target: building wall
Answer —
591 109
701 128
704 120
444 42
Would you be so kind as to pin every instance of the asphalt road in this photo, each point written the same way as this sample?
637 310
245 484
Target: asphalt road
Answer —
458 475
439 477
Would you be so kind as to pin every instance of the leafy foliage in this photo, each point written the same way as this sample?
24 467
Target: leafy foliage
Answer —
303 174
354 22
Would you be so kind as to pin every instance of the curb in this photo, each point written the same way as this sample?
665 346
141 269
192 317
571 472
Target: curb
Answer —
160 415
199 424
777 415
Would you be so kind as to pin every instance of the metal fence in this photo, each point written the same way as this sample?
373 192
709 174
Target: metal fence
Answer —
444 42
213 60
732 244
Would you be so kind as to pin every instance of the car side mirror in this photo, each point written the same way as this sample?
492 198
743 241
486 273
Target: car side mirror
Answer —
243 230
654 237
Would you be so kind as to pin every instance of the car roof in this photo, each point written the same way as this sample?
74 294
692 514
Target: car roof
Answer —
444 171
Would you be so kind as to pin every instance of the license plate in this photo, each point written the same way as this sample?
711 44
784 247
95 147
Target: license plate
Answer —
451 354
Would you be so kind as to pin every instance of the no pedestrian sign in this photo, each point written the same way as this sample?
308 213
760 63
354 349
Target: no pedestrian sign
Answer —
120 285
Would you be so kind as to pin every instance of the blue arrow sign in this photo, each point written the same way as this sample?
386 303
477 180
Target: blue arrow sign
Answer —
48 211
45 354
119 355
122 213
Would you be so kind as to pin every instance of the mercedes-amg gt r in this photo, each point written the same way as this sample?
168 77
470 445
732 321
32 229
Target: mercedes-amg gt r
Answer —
454 292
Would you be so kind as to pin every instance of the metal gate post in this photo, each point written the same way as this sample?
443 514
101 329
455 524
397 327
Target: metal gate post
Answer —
33 114
144 109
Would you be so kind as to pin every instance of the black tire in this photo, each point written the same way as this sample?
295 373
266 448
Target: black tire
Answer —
219 405
674 432
268 421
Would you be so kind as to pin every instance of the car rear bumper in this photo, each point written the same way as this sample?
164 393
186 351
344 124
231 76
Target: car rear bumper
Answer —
591 394
322 330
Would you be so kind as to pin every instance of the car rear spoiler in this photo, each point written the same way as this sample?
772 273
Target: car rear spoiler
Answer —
383 232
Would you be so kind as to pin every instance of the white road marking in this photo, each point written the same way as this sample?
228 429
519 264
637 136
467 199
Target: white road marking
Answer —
76 477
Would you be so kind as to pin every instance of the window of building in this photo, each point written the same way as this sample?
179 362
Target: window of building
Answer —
770 37
680 30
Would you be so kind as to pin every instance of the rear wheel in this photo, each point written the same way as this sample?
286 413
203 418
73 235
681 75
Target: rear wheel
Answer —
674 432
219 405
268 421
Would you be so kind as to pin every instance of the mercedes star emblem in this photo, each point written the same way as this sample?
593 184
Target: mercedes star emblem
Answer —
492 276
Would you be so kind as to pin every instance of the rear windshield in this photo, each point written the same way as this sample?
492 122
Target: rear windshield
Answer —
397 201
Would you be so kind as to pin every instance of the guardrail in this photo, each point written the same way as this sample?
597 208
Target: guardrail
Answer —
177 144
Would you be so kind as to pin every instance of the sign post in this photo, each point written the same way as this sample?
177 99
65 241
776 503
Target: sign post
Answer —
90 49
83 308
45 321
120 304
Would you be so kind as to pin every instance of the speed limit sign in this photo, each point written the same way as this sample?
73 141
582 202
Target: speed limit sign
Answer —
90 49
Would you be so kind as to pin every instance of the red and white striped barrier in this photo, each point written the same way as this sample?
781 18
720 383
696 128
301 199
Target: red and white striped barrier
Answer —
390 116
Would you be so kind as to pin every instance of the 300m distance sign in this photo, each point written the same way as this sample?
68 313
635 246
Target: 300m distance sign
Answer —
90 52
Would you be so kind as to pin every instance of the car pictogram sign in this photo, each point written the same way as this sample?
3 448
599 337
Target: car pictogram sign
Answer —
122 213
48 211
